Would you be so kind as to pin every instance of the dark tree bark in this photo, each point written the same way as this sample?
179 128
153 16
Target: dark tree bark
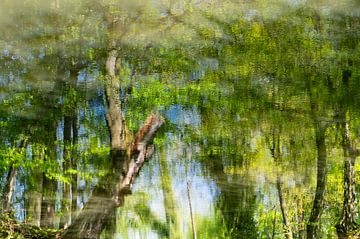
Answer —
318 113
313 225
48 203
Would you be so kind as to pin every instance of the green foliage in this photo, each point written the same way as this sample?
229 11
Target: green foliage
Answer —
251 76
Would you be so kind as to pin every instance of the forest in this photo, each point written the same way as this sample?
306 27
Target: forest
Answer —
179 119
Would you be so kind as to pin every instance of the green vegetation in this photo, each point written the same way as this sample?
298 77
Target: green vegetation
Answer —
261 101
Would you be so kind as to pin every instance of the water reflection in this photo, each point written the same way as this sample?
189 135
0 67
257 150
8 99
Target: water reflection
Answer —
261 113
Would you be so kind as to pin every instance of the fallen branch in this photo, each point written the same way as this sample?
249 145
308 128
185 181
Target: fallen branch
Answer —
141 148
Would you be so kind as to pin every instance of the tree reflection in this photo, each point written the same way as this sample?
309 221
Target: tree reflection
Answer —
273 101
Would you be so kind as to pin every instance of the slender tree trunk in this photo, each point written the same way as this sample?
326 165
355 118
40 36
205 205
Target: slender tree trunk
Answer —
66 200
300 216
74 178
313 225
9 189
48 203
283 207
191 210
317 113
347 225
276 154
49 185
169 203
34 193
74 149
33 210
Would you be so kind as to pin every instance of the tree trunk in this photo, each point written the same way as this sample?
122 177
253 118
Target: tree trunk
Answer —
10 185
9 189
313 225
169 204
112 188
318 112
347 226
74 149
114 117
66 200
283 207
34 191
33 210
276 154
48 203
49 185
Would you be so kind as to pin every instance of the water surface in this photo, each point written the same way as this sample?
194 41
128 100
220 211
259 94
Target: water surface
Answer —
260 102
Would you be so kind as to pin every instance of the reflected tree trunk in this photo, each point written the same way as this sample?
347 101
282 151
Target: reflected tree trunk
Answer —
276 154
74 150
168 194
48 203
283 207
9 189
33 210
347 226
114 117
66 200
112 188
237 204
74 178
110 227
300 216
69 140
313 225
192 219
318 113
49 185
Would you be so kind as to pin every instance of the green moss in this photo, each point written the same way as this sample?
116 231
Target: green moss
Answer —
11 229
